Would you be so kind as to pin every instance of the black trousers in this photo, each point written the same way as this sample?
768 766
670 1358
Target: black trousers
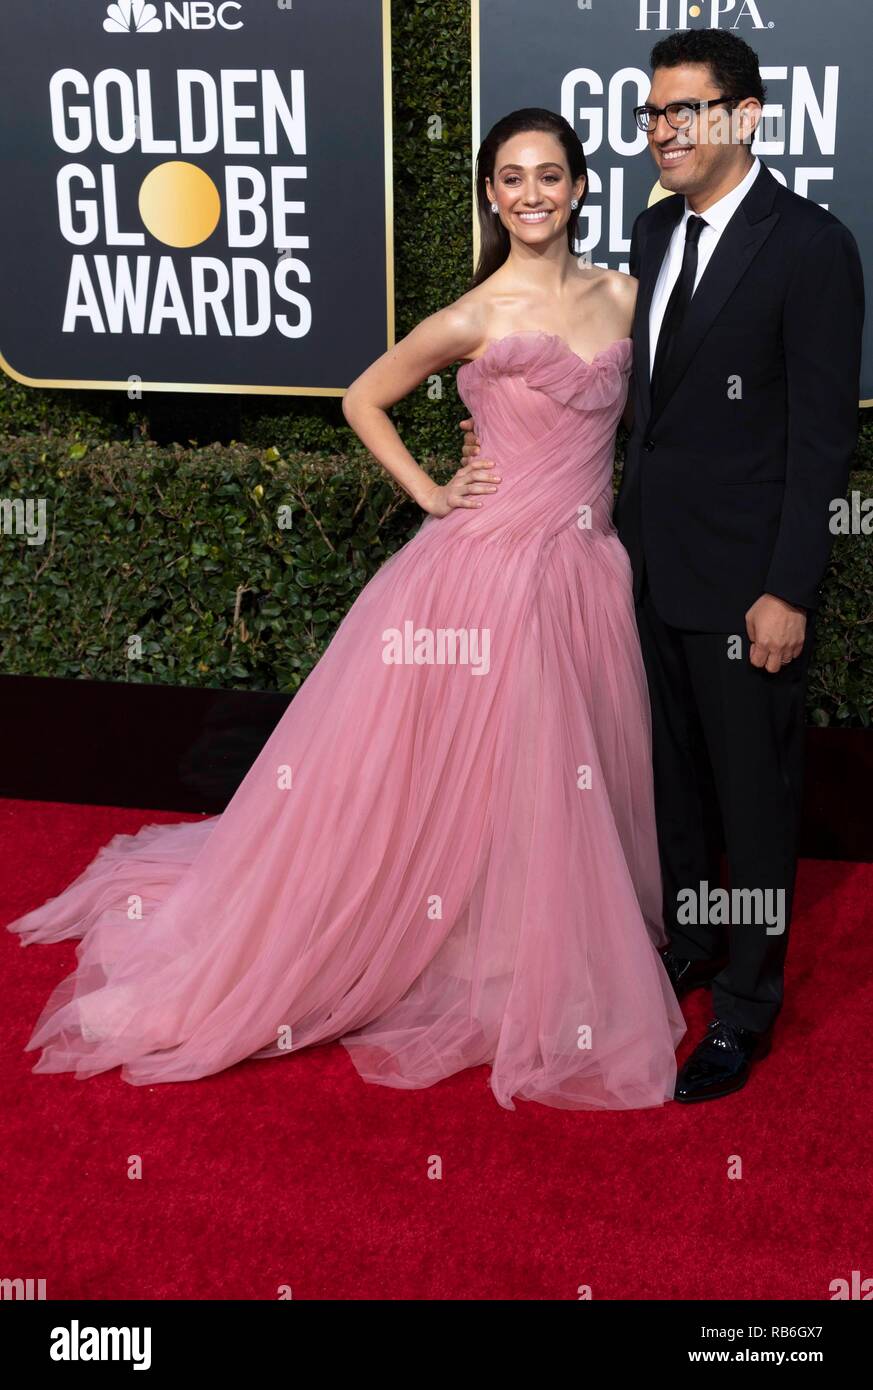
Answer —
728 743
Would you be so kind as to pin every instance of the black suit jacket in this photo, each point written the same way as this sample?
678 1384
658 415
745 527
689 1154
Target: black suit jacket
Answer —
724 499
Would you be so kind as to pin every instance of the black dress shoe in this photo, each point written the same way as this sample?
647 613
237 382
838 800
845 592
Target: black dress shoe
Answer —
686 975
722 1062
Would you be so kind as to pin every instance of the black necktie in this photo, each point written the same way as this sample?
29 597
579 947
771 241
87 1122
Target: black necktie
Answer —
678 301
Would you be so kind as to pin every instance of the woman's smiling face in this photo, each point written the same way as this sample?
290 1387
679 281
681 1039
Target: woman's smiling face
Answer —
532 186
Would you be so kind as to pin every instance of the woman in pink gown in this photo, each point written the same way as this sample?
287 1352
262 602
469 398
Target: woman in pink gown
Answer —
445 854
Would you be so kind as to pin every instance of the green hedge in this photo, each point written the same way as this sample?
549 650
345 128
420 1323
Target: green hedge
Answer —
162 513
184 549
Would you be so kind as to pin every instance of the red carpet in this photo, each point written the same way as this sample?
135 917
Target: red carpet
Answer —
295 1172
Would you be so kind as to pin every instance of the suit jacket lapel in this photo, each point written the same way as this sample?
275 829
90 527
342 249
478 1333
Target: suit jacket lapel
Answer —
743 236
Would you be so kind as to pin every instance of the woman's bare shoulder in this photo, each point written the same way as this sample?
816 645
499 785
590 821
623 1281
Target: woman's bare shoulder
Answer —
621 286
448 335
469 318
467 314
619 297
612 284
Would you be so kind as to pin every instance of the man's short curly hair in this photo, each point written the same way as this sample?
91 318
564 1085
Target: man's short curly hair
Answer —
733 62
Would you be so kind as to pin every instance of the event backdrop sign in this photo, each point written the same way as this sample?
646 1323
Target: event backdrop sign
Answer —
197 194
589 60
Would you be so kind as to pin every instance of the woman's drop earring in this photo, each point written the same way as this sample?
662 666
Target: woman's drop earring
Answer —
494 207
574 203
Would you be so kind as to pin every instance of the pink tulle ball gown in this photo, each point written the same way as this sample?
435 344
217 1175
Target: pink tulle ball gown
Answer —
445 854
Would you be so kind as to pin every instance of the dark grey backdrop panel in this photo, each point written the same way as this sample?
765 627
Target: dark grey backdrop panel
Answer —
339 48
592 65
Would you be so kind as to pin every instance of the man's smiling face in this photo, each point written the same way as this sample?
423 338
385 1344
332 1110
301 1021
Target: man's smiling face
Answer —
693 160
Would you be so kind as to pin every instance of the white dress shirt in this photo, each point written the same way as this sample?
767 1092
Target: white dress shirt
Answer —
716 218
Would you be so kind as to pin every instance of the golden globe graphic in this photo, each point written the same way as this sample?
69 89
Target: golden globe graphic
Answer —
179 204
180 212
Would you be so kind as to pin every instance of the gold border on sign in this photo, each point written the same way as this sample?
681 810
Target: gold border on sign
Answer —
227 389
475 112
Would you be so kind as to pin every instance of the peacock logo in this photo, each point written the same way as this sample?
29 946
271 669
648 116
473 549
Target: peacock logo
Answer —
132 17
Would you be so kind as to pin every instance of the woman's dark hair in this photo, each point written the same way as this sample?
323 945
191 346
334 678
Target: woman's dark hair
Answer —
733 62
494 238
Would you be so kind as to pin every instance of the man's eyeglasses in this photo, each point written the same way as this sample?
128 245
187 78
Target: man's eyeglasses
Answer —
680 114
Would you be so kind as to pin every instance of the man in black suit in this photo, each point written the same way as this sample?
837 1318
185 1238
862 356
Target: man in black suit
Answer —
747 345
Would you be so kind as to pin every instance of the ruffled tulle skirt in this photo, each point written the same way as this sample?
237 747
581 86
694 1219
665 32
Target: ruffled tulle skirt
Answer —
441 861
